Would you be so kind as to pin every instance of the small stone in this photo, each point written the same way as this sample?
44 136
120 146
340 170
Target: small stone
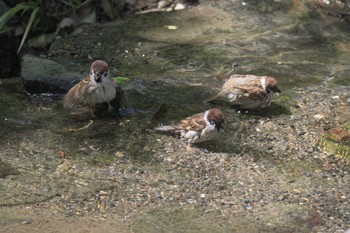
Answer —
162 4
179 6
191 201
318 117
27 221
103 193
296 191
119 154
202 195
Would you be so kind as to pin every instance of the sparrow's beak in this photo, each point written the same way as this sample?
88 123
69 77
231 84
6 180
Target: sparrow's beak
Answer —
219 126
277 90
274 90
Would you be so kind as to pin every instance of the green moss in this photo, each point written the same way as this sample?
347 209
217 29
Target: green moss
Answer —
337 141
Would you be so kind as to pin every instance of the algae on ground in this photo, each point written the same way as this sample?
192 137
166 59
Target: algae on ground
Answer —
337 141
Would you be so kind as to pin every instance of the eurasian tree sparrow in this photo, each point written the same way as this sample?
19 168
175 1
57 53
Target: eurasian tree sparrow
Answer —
199 127
96 88
248 91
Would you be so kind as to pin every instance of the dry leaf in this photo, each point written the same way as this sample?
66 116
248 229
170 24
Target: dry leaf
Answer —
61 154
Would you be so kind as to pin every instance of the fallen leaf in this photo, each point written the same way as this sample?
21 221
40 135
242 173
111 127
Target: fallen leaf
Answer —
61 154
66 22
120 80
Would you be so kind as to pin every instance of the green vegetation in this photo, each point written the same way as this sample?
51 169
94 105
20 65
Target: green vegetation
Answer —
120 80
20 9
41 21
336 141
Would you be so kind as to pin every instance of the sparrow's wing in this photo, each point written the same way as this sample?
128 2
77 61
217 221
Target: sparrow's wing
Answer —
75 96
250 84
253 90
193 123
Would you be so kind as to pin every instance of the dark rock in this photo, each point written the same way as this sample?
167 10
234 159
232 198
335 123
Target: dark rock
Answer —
41 75
8 58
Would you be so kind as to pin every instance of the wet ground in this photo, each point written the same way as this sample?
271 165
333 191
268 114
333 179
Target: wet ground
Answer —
266 173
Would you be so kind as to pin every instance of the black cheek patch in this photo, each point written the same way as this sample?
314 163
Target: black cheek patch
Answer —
98 79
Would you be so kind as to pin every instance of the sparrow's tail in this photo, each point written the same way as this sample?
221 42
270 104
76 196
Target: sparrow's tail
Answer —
167 128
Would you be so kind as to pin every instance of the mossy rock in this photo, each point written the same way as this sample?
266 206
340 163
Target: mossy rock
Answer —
337 141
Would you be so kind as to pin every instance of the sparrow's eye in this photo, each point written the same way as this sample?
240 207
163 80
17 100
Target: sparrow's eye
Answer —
105 74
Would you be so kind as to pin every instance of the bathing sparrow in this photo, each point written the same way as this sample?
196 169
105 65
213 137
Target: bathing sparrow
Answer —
96 88
248 91
197 128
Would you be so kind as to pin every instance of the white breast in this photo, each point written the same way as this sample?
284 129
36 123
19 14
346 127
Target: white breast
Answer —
103 92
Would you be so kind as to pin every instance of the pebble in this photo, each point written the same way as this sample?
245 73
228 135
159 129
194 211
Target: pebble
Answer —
191 201
162 4
318 116
27 221
296 191
103 193
179 6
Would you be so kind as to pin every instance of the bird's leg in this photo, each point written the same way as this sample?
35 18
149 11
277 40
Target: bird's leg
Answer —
92 111
189 148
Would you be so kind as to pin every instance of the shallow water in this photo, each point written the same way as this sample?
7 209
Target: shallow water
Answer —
114 166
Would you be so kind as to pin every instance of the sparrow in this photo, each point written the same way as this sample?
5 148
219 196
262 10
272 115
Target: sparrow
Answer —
248 91
197 128
98 87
